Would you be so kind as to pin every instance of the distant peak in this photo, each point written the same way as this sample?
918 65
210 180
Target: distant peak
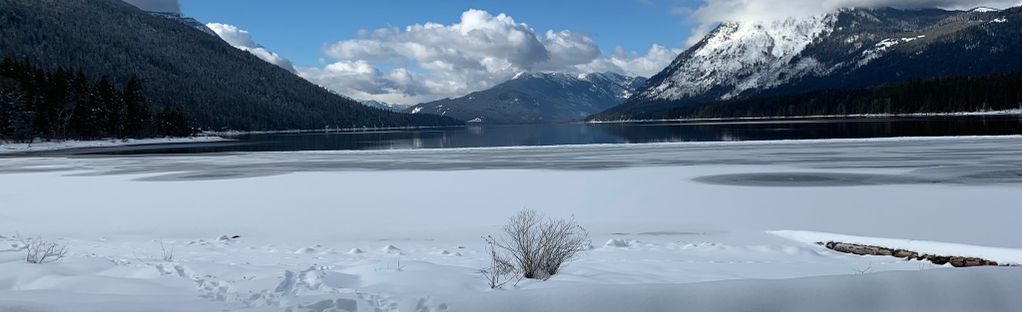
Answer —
984 10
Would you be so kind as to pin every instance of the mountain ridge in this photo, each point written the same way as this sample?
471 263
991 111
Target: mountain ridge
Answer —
847 49
533 97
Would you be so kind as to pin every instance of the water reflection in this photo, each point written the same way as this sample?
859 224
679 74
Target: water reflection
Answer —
580 133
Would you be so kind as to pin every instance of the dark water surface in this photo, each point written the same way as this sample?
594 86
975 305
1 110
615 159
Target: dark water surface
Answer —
581 133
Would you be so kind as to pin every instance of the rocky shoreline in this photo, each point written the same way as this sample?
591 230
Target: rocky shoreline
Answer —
868 250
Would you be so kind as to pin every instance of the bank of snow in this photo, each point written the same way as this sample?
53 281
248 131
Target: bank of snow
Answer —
42 146
1011 256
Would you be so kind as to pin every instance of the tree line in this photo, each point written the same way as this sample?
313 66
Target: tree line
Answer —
64 104
941 95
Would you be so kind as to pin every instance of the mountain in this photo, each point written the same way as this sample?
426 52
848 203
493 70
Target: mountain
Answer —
187 21
848 49
219 86
384 106
538 97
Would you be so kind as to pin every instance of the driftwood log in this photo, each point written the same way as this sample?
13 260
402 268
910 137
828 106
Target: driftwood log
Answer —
868 250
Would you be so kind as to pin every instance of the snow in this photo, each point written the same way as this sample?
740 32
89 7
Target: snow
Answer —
985 10
1000 255
883 47
8 148
743 56
417 109
674 225
962 290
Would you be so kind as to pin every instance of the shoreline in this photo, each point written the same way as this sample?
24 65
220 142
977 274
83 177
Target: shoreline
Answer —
1009 112
49 146
229 133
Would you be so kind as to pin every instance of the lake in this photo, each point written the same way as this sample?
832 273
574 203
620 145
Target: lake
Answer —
583 133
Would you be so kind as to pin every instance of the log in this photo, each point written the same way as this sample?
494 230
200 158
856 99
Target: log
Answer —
869 250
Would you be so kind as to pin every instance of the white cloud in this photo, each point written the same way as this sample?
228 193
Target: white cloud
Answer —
716 11
655 60
166 6
242 39
432 61
758 10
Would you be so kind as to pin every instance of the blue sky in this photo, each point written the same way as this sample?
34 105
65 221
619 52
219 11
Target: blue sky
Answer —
298 29
407 52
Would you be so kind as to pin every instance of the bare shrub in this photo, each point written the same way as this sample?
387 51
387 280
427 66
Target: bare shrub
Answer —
168 254
499 271
522 242
38 250
562 240
537 247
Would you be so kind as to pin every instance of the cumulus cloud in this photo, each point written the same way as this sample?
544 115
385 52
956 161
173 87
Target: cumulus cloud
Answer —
712 12
165 6
431 61
242 39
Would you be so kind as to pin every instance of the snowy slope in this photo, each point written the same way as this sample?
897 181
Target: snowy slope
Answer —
743 56
847 49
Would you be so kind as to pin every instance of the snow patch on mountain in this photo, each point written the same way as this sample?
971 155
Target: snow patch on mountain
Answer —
383 105
984 10
882 47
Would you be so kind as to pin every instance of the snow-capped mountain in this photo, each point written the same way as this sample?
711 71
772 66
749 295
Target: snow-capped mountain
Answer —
851 48
538 97
383 105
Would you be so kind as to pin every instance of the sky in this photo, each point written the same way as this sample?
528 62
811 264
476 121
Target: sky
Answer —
407 52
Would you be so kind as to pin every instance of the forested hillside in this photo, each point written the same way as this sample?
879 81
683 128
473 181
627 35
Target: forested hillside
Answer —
65 104
221 87
942 95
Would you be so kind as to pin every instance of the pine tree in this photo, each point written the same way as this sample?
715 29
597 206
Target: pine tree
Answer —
110 114
56 91
21 117
136 113
172 122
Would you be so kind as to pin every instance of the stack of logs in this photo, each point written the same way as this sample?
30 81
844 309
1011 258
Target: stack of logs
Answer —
861 250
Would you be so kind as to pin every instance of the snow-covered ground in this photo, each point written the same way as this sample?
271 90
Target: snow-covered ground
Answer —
8 148
689 226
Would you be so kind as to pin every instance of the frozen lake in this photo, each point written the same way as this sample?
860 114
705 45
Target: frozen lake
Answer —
691 218
581 133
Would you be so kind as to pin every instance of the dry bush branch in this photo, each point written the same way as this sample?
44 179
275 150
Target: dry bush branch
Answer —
500 270
39 251
537 247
